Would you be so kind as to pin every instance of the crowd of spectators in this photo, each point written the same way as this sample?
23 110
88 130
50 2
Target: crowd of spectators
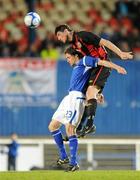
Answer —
117 21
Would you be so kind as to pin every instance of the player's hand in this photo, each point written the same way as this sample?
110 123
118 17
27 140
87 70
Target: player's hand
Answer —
100 98
126 55
121 70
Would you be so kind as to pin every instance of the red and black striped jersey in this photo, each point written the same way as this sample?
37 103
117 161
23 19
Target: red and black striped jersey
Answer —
88 44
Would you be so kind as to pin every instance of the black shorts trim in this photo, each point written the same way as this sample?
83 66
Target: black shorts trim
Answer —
99 76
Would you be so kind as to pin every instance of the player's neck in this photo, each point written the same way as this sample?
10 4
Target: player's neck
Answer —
76 60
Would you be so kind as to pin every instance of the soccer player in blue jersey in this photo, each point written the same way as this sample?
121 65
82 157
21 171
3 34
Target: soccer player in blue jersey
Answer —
70 110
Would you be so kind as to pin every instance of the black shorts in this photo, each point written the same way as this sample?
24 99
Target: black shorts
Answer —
99 76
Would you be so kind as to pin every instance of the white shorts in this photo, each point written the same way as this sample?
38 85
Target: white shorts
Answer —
71 108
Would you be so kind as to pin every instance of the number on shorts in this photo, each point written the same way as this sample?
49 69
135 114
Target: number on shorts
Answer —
68 114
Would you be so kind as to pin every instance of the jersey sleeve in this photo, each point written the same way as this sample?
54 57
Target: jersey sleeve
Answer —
89 38
90 61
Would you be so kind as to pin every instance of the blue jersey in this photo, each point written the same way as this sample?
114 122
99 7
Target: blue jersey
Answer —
81 73
13 147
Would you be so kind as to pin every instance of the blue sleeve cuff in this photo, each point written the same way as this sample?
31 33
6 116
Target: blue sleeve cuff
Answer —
96 63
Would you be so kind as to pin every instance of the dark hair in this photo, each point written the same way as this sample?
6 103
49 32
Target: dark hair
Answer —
70 50
61 28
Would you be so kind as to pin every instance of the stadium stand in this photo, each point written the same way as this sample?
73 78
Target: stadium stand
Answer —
105 19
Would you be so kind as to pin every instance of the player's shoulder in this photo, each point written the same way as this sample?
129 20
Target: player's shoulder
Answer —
82 60
82 32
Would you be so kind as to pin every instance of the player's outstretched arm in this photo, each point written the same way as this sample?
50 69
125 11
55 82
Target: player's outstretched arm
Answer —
111 65
115 49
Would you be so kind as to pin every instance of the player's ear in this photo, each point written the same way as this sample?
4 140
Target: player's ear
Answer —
65 31
76 55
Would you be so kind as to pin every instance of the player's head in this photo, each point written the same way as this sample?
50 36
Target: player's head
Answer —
72 55
63 33
14 136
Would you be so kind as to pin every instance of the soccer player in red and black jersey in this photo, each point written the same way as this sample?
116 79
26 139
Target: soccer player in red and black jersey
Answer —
91 45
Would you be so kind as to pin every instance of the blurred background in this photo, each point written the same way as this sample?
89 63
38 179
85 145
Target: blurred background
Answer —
35 78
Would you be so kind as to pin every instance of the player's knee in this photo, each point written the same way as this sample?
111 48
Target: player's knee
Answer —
70 130
53 126
92 92
50 127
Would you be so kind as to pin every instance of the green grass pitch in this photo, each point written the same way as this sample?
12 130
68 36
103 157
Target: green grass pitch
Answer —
78 175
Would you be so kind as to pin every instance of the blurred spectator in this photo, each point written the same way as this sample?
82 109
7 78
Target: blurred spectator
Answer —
122 8
12 152
116 21
135 40
49 53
